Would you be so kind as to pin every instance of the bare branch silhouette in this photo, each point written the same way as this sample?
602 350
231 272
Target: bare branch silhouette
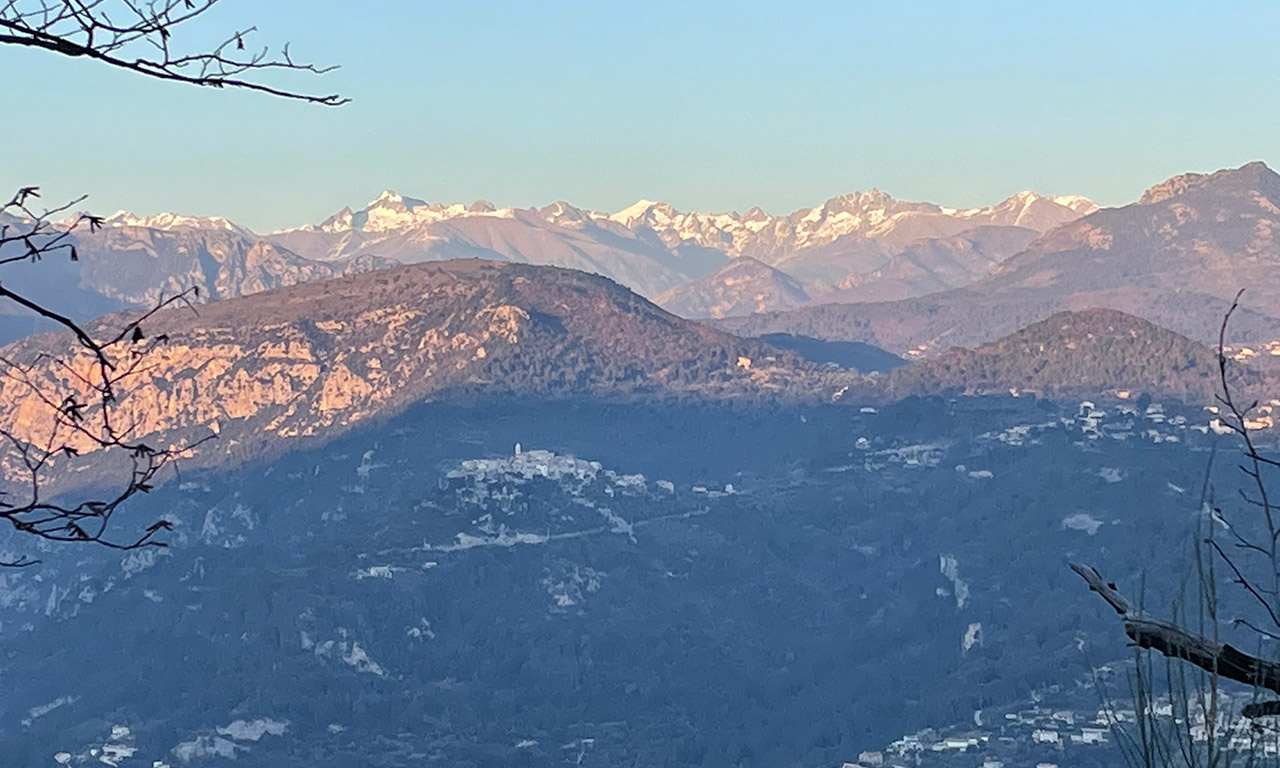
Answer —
1256 572
78 410
140 37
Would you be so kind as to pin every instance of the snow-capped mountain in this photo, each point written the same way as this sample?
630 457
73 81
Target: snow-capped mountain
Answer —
1176 258
411 230
651 247
175 221
873 214
391 211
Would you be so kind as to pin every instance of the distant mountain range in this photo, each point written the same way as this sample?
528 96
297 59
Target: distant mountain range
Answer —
1175 258
912 278
835 249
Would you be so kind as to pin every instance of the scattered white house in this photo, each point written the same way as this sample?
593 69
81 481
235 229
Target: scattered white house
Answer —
1219 428
1046 736
961 743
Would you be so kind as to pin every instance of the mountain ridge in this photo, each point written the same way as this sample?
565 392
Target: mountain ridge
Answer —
317 358
650 246
1177 260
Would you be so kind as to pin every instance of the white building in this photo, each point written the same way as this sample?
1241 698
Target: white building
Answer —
1046 736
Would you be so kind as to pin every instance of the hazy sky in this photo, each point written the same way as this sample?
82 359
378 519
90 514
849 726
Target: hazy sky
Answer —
708 105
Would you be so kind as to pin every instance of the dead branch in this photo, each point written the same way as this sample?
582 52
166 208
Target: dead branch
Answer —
1176 642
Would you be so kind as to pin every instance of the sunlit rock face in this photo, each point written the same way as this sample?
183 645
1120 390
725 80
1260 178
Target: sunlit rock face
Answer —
314 359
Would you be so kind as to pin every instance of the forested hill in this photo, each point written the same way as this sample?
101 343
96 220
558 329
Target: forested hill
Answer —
312 360
1087 353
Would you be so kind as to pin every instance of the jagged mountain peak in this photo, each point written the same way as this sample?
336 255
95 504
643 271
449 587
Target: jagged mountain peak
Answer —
391 211
1034 210
871 202
389 198
870 196
561 208
340 220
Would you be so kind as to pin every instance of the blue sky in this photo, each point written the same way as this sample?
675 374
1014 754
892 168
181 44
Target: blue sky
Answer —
708 105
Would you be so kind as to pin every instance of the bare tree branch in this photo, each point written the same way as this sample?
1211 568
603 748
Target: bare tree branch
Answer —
79 409
1177 642
1173 641
143 42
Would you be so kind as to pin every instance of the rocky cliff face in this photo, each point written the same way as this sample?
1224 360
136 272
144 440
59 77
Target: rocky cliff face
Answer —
314 359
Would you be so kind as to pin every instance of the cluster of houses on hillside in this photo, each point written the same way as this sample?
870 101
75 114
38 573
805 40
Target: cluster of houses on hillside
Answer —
1243 353
1127 420
1133 421
1033 736
1047 737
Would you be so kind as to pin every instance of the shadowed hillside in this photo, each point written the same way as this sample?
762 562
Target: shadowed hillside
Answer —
1071 354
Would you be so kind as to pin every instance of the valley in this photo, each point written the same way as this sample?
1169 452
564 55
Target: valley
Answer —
479 511
687 585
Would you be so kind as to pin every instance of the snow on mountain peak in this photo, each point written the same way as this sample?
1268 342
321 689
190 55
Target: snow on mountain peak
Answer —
389 198
564 214
168 220
872 213
1077 203
1032 210
391 211
634 212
